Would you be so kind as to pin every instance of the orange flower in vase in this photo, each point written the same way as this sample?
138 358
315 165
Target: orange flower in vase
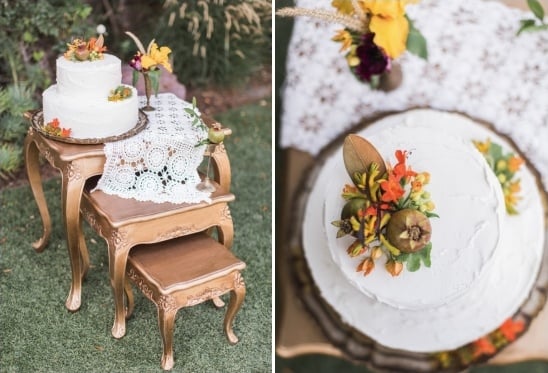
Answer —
147 62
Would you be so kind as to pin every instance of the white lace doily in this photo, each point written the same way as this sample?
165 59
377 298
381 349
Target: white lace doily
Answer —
477 65
160 163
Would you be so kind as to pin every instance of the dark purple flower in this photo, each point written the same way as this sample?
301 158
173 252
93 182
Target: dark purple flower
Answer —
136 62
373 60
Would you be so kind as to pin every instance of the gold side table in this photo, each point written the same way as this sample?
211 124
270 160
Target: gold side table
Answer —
77 163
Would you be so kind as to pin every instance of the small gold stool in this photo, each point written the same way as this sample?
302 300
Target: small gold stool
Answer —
183 272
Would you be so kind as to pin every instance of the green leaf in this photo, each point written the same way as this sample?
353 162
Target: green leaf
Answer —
495 151
536 8
135 78
155 80
536 28
413 262
416 42
424 254
526 25
431 214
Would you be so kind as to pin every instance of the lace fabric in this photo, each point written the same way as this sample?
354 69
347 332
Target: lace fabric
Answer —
476 65
160 163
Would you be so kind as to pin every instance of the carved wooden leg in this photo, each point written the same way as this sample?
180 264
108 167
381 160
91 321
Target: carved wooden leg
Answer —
166 321
225 230
218 302
71 191
117 268
84 254
35 180
129 298
236 299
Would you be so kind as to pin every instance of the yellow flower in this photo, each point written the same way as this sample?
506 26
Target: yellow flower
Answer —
386 8
514 186
343 6
501 165
345 38
423 177
389 24
483 147
351 58
156 56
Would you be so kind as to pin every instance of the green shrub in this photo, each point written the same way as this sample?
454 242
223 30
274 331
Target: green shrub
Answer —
216 41
15 99
32 35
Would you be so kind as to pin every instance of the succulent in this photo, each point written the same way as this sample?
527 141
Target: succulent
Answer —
409 230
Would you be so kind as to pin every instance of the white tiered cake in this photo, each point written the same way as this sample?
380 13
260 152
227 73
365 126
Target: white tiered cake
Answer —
80 101
484 262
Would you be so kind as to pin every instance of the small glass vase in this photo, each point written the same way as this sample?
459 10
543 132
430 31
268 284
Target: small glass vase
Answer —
148 92
206 185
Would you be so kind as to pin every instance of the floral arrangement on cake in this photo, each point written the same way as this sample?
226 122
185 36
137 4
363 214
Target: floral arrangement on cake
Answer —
387 210
120 93
505 166
54 128
147 62
375 33
81 50
483 347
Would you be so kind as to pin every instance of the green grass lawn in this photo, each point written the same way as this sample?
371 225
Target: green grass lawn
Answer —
39 335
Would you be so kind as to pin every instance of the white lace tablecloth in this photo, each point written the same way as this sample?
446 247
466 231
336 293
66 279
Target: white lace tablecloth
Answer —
160 163
477 65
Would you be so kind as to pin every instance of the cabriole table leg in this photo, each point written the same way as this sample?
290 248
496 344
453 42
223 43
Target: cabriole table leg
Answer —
32 166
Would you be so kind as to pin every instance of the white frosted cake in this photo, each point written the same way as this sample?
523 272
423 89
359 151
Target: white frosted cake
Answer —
80 101
483 261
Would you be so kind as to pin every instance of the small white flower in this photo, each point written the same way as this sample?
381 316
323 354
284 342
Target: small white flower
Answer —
101 29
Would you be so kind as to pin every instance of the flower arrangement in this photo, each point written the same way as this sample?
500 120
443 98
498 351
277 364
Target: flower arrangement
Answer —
147 62
505 166
81 50
387 212
120 93
375 33
54 128
483 347
215 133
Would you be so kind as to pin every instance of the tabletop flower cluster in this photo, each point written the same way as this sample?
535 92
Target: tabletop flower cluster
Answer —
388 214
81 50
375 33
54 128
505 166
147 62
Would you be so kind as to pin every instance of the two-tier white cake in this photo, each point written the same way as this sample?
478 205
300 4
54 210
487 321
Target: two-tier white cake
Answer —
80 101
484 261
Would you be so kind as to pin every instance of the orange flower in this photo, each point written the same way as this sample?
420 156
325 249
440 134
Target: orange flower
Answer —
401 170
483 346
392 189
514 163
54 123
371 211
366 266
510 329
65 132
